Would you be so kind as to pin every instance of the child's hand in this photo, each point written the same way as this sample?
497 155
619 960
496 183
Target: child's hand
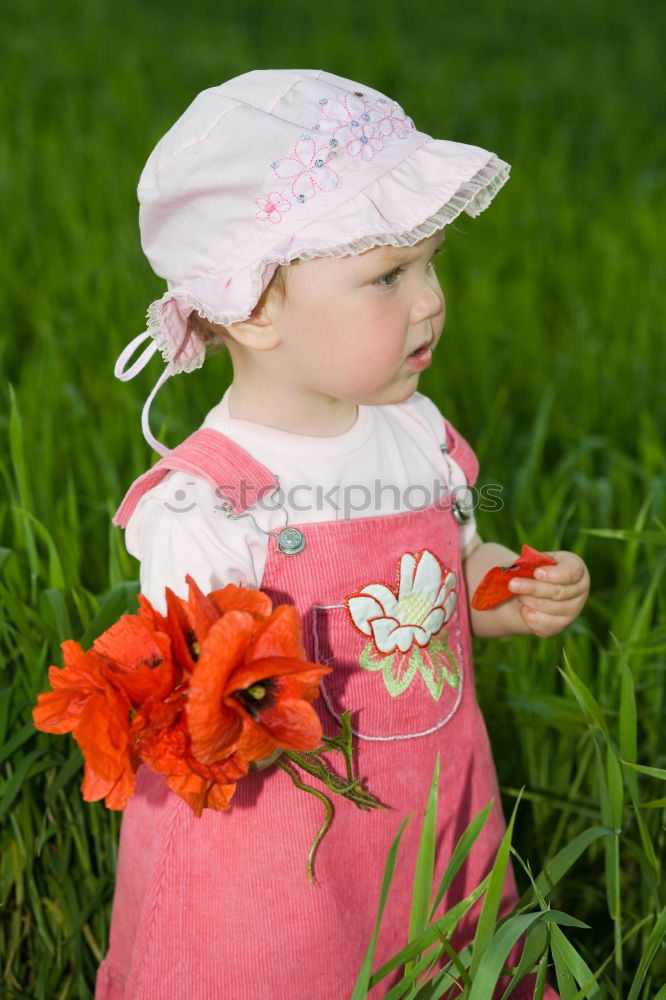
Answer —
556 595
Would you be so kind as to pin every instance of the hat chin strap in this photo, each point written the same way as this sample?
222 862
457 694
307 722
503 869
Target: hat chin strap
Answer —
160 448
125 374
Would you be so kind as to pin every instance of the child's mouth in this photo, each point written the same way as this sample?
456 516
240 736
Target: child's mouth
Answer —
421 358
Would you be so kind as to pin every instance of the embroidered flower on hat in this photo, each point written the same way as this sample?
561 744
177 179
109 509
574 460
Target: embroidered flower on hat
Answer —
272 207
366 144
353 125
393 120
362 125
308 169
344 118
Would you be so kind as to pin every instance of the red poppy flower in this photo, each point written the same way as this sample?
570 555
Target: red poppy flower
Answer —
192 619
167 751
494 587
86 704
139 659
251 689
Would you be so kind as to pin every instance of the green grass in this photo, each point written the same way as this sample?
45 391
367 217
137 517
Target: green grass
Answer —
552 364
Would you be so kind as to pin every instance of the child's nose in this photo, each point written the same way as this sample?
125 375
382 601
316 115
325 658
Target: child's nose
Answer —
430 302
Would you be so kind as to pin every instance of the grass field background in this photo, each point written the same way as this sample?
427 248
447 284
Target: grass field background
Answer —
552 364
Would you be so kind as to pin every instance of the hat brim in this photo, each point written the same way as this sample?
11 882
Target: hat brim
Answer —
419 196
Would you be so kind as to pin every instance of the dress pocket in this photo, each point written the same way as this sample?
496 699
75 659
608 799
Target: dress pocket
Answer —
397 656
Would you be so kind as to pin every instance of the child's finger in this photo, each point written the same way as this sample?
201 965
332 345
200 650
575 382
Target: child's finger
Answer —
547 591
569 569
542 624
552 609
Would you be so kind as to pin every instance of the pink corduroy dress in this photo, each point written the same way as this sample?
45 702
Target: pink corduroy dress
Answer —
219 907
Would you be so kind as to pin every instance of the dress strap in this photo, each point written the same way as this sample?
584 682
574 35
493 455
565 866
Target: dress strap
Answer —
210 455
458 449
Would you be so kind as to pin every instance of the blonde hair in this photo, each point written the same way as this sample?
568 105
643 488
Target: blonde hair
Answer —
212 334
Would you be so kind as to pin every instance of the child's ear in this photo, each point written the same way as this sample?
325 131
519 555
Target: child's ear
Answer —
258 331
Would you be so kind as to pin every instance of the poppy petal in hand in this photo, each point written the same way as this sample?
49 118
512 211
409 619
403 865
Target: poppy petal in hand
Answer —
494 587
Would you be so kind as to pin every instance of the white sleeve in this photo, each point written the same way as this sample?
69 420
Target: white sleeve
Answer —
180 529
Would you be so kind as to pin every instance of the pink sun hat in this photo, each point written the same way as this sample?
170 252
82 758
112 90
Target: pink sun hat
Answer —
279 165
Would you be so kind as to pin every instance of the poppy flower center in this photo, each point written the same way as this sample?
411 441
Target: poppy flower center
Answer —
193 645
151 661
258 697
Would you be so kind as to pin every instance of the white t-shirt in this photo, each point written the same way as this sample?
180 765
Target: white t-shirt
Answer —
389 461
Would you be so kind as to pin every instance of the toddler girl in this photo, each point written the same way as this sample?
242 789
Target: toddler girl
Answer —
295 216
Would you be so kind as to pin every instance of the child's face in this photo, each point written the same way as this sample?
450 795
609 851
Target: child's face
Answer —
359 329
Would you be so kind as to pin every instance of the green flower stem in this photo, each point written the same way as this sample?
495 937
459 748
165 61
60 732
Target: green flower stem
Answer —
328 819
350 787
317 768
343 744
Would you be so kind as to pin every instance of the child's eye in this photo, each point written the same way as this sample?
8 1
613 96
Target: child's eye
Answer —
388 279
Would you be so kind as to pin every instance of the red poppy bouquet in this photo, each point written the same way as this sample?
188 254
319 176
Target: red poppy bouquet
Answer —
198 695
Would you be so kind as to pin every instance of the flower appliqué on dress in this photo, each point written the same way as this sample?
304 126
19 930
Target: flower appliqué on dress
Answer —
355 127
406 627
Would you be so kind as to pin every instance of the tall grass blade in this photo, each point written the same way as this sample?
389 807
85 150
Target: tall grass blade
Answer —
72 767
654 943
507 936
536 945
489 968
459 854
628 723
491 904
119 601
55 604
555 870
615 791
629 535
56 576
20 737
585 698
653 772
10 788
407 985
540 982
363 979
452 973
571 968
19 467
425 862
440 929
